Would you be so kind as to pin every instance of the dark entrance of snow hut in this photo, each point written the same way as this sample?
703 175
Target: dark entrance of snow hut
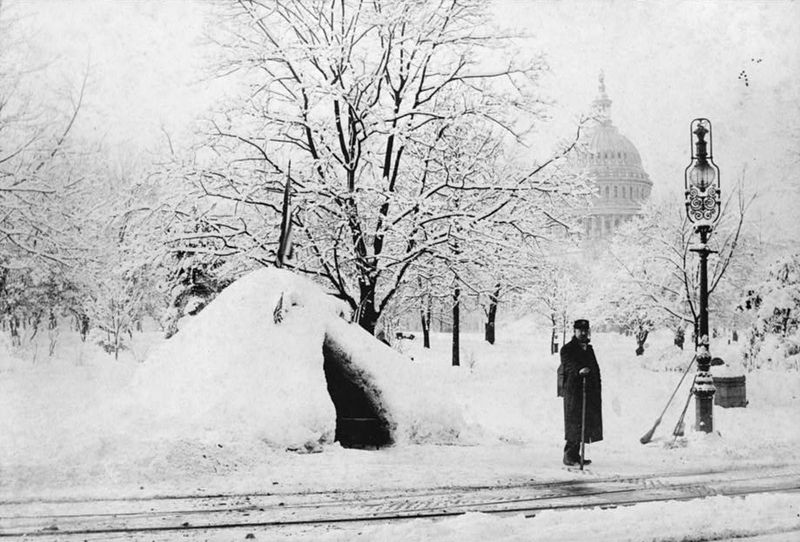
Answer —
359 423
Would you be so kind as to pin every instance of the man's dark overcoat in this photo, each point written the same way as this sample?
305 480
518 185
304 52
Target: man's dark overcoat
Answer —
573 359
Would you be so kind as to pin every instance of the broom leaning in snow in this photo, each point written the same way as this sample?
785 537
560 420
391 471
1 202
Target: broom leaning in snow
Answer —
647 437
679 427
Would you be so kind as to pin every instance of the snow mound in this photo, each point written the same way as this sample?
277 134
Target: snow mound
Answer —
233 372
250 366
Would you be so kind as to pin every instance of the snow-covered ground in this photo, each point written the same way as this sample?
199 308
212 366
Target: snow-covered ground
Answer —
203 416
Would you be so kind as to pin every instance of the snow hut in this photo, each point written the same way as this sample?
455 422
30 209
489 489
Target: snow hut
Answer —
271 357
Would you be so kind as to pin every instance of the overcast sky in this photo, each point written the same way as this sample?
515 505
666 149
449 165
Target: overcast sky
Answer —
664 62
668 62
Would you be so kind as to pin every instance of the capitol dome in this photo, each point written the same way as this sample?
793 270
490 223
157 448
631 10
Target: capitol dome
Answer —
614 164
612 148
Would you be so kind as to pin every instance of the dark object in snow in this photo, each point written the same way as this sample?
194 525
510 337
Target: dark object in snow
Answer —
731 391
360 419
717 361
250 536
381 336
402 335
680 337
277 314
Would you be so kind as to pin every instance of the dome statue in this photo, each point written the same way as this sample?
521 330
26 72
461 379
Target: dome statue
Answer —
613 163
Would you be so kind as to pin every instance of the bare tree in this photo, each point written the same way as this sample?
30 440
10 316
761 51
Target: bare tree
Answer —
41 188
654 253
365 98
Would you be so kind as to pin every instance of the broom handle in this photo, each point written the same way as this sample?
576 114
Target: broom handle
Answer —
649 435
683 413
671 397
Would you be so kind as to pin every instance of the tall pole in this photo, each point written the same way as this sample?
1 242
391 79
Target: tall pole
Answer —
702 183
456 325
704 382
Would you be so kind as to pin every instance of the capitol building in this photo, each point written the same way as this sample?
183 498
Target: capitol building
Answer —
613 163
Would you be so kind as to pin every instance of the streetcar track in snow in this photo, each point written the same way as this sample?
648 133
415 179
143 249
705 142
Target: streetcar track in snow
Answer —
561 490
435 490
569 500
360 497
364 519
376 497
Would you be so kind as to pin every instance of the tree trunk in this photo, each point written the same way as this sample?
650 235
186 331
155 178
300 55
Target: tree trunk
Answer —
491 317
83 327
679 337
553 343
641 338
456 325
367 314
425 318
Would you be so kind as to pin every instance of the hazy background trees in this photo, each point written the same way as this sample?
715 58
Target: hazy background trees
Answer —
409 150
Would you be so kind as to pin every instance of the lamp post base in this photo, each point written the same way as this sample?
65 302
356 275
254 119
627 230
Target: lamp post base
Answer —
704 402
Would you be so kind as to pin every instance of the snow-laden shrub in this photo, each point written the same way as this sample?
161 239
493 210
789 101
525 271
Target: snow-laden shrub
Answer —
763 350
774 304
665 357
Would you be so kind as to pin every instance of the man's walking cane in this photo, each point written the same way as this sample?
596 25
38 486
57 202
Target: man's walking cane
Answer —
583 372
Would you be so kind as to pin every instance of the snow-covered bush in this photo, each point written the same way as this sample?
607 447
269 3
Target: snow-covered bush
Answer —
116 303
32 301
773 339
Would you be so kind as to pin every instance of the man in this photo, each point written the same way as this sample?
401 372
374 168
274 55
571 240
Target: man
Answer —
578 363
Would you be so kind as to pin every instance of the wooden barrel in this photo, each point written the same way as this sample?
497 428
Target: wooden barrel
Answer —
731 391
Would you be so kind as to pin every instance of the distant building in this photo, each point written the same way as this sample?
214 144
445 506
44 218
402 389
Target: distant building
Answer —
613 162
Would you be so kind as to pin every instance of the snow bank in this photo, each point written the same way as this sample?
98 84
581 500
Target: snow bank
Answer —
232 372
215 407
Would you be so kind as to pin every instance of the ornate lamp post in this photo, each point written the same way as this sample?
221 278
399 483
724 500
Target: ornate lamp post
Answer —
701 181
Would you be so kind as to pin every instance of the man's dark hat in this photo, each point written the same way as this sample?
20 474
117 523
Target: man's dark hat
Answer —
581 324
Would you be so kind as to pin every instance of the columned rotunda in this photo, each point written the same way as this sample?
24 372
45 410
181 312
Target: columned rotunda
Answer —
613 162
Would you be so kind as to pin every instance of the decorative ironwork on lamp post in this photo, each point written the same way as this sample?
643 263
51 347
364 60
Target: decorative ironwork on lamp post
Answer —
701 181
